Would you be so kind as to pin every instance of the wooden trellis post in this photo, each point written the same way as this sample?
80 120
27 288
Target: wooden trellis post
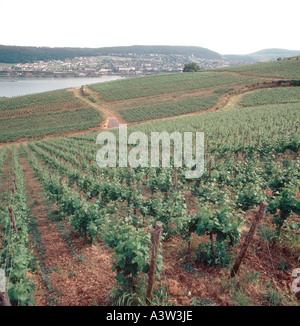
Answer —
155 247
4 300
14 192
235 171
12 217
61 184
207 149
209 169
15 183
259 216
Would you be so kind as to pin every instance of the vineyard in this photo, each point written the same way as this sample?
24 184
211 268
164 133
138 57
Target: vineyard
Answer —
44 114
272 96
76 234
161 84
169 109
280 69
154 97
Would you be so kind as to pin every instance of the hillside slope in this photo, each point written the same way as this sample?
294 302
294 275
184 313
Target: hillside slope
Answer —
136 100
23 54
154 97
273 54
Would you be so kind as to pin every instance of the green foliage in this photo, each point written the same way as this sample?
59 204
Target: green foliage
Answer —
284 265
169 211
250 196
46 102
209 191
44 114
130 241
161 84
31 126
245 125
200 302
131 253
219 224
15 255
279 69
191 67
271 96
223 223
24 54
218 255
283 204
272 297
3 154
169 109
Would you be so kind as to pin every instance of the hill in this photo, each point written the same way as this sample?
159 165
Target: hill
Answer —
22 54
240 58
288 69
273 54
262 55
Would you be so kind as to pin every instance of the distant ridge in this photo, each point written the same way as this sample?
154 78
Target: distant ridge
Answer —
273 54
24 54
263 55
240 58
27 54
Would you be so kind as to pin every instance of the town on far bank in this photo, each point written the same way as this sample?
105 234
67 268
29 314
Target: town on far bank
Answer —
131 65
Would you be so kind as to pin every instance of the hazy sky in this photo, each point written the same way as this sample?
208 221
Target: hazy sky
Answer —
227 26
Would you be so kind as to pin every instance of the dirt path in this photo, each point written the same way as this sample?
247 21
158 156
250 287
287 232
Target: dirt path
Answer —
111 120
67 277
232 102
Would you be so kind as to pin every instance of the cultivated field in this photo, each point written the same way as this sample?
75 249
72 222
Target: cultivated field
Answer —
38 115
82 234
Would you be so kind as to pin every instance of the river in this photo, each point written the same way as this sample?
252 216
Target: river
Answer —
13 86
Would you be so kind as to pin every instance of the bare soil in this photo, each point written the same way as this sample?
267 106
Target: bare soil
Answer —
187 279
80 279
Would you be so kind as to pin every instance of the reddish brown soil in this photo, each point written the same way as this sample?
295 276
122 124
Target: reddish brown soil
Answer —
87 281
214 284
76 281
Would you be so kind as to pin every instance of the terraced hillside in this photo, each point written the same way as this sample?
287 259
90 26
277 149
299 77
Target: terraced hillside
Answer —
44 114
135 100
154 97
284 69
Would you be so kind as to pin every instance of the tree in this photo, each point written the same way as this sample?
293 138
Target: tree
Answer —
191 67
